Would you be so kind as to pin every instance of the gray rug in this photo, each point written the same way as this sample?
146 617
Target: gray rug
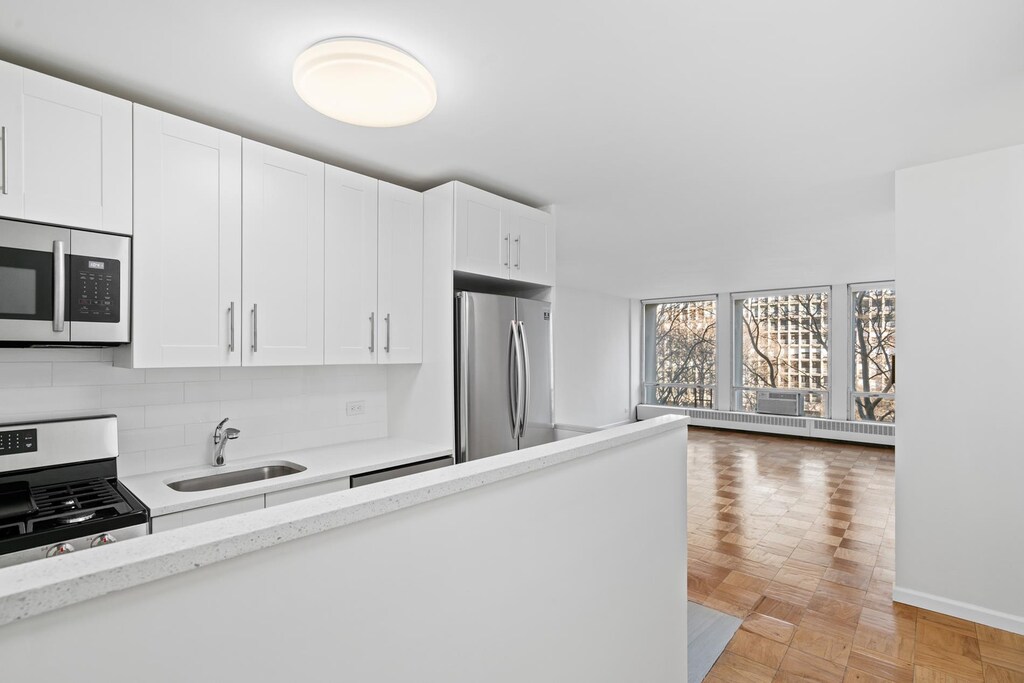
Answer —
708 631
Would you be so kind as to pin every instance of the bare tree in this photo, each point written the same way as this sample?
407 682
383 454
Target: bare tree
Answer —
684 345
874 350
785 344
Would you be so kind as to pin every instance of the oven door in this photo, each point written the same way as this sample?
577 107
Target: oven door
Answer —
32 283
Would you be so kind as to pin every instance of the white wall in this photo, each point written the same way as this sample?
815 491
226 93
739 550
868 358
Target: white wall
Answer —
959 466
593 335
509 582
166 417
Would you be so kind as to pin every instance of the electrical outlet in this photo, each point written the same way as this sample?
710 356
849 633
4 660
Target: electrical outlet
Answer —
355 408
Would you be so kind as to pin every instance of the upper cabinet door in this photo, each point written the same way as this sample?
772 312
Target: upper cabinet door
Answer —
188 243
533 245
67 153
400 275
283 257
482 243
350 276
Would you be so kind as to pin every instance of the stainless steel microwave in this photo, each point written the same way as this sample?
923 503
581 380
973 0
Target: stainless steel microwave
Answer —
63 286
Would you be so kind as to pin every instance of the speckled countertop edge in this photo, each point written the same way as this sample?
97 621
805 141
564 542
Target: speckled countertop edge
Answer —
37 587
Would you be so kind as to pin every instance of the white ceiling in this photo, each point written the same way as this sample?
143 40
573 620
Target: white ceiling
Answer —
689 146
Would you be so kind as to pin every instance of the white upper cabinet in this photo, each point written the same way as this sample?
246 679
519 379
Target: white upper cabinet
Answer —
66 153
503 239
282 257
481 232
187 243
350 276
400 275
533 245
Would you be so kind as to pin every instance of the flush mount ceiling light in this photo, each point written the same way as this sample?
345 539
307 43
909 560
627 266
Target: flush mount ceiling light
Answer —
364 82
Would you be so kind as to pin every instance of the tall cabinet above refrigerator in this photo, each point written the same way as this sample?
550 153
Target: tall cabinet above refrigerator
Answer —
504 396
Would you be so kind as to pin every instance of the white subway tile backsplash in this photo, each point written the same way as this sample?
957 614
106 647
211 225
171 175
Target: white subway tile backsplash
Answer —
89 374
131 463
166 417
260 372
218 391
201 432
48 399
288 386
26 374
150 438
133 417
253 407
336 378
162 459
143 394
182 413
323 437
156 375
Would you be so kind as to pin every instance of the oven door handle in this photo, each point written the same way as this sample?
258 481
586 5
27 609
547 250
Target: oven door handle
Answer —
59 285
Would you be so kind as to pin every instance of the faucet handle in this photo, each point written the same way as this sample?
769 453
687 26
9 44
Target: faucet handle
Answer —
218 431
232 433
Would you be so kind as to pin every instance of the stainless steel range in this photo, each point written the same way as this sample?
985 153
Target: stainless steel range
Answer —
59 491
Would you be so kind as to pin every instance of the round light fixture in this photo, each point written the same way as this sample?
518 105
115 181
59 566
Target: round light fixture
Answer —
364 82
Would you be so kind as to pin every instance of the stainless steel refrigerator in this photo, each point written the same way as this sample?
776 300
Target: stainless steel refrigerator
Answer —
503 374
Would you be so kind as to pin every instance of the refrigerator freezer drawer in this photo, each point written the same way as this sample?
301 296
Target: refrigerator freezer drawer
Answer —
401 471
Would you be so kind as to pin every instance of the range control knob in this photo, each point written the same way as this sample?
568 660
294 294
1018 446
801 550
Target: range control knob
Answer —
60 549
102 539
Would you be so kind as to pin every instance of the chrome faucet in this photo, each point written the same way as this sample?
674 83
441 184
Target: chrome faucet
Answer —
220 440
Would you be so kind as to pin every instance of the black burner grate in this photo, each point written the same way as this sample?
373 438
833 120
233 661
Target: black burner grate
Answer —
74 503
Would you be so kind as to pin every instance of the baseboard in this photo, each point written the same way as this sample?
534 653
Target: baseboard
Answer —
800 426
962 610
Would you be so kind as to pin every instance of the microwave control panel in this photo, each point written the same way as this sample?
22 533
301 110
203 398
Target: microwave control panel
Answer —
94 289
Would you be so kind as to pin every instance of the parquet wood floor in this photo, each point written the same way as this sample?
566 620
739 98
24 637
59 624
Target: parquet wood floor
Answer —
796 537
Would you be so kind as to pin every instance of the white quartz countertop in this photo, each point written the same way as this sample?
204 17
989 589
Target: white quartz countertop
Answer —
322 464
36 587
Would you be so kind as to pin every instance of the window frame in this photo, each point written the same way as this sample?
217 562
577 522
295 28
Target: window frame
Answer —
852 393
644 356
737 346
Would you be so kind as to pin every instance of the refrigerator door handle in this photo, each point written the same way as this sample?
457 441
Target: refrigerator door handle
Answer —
513 378
524 413
463 388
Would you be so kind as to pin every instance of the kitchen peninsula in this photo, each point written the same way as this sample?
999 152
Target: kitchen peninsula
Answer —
565 561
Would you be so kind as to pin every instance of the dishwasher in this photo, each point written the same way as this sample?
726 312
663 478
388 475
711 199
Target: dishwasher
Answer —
401 471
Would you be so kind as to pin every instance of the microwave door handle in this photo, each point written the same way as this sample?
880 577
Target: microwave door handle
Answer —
59 285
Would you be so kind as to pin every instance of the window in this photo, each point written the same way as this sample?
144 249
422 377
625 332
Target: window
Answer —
873 332
782 343
680 353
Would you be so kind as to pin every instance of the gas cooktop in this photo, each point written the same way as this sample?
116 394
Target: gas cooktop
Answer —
59 491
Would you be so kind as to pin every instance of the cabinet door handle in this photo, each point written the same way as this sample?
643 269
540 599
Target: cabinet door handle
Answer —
387 333
508 251
254 321
519 250
58 285
371 332
231 328
3 158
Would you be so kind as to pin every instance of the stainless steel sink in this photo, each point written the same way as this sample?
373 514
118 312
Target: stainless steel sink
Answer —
235 477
